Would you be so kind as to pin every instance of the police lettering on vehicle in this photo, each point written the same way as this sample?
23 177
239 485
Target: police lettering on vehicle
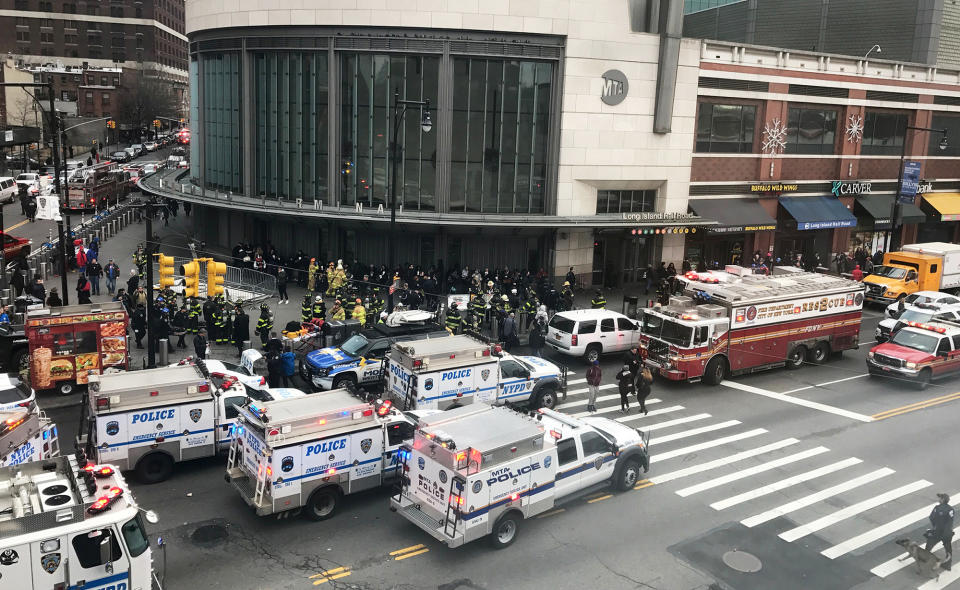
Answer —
326 447
506 474
451 375
153 416
399 373
23 454
515 388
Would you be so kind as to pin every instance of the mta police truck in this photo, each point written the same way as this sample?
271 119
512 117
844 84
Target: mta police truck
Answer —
480 470
459 370
305 454
26 436
148 420
68 525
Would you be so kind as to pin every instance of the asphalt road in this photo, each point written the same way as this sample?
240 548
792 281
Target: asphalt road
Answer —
809 474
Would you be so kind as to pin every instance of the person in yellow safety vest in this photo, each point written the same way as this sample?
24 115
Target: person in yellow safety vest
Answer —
337 313
330 272
312 271
453 321
599 301
339 277
359 313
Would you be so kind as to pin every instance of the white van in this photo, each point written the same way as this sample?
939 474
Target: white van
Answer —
8 189
591 332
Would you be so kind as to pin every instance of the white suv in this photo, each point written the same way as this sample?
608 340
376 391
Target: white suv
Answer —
591 332
935 297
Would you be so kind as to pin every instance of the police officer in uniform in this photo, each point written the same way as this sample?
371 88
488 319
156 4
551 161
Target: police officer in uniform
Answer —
941 519
598 301
453 321
264 325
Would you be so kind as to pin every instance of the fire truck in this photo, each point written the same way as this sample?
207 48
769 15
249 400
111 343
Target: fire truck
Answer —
68 524
97 186
26 436
738 322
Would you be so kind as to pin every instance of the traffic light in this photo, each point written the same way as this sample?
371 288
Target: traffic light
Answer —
111 124
191 274
216 272
165 270
156 123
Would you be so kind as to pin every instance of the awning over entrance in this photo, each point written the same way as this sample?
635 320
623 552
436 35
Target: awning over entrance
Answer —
946 205
818 212
734 215
878 207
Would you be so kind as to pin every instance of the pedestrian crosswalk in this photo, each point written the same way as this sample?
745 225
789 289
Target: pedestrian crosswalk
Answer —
787 486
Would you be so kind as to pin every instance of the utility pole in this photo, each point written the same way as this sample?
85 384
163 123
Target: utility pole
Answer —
151 348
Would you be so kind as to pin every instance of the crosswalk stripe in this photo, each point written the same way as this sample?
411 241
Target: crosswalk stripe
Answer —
669 423
784 484
723 461
945 579
649 414
707 445
614 408
577 381
815 497
898 563
852 510
694 431
877 533
719 481
583 402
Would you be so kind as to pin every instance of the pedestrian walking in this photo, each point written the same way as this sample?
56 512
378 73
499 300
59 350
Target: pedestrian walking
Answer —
274 370
133 282
83 289
642 388
941 519
593 385
18 281
94 272
180 321
537 337
112 273
200 344
509 332
139 322
625 384
282 286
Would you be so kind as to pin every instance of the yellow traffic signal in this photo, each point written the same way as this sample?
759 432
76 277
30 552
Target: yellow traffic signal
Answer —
156 122
111 124
191 274
165 270
216 272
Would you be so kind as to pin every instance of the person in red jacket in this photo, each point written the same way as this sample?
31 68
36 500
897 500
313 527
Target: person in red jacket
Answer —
593 385
857 273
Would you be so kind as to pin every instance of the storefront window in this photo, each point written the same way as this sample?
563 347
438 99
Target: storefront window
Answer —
626 201
724 128
952 124
883 133
811 131
222 130
501 115
368 83
290 106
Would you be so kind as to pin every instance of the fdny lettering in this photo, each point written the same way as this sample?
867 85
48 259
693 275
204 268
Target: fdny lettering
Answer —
506 474
153 416
326 447
515 388
450 375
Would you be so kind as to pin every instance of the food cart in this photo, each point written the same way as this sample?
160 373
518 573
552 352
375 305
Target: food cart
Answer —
66 343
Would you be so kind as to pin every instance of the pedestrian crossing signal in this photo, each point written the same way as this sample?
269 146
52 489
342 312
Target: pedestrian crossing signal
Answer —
165 270
216 272
191 274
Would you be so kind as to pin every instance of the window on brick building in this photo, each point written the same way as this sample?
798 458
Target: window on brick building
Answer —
46 37
811 130
951 123
21 5
46 6
725 127
89 97
883 133
116 11
105 98
23 35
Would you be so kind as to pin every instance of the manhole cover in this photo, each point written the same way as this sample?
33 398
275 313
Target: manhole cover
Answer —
742 561
208 534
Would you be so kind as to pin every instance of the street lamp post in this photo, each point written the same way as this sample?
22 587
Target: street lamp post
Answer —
399 111
891 241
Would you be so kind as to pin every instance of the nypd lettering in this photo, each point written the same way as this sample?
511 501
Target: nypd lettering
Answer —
22 454
515 388
154 416
508 474
327 446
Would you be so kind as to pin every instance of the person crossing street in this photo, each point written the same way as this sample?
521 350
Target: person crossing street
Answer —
594 375
941 519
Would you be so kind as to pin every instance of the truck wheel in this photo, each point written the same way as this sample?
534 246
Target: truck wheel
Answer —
923 379
154 468
66 387
593 353
505 531
547 398
323 504
819 353
628 475
796 356
716 371
344 381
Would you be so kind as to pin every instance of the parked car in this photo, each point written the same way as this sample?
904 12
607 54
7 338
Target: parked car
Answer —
8 189
935 297
121 156
139 148
922 313
591 332
132 151
30 180
150 146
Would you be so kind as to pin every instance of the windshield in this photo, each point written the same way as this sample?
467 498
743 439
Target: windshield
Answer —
889 272
258 394
666 330
9 395
562 324
912 315
355 345
916 340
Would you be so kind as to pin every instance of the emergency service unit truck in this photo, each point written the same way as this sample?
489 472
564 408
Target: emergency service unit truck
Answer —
149 420
26 436
448 372
751 323
481 470
63 526
309 452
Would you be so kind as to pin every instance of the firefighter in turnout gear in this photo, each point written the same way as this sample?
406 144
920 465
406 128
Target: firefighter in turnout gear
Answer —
140 260
376 303
566 297
337 313
319 311
454 322
220 322
264 325
471 325
193 316
478 306
330 271
359 313
312 271
306 309
599 301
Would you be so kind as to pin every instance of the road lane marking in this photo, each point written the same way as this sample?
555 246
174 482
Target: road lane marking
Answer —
16 225
649 414
798 401
877 532
406 549
921 405
723 461
600 499
684 420
329 575
784 484
551 513
643 483
725 479
710 444
852 510
898 563
945 579
611 409
825 384
411 551
815 497
583 402
694 431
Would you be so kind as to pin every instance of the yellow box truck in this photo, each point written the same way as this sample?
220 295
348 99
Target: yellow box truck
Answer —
934 266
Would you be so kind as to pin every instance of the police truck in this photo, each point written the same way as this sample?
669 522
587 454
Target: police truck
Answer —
26 436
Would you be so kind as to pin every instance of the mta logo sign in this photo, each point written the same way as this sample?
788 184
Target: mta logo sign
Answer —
614 88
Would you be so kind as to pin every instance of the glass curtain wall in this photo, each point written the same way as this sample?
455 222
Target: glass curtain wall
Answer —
501 111
194 115
222 129
368 83
290 105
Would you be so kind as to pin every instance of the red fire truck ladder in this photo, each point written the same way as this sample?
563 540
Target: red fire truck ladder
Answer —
454 505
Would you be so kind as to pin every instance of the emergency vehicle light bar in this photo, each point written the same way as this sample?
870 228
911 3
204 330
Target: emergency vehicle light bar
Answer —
98 470
922 326
104 502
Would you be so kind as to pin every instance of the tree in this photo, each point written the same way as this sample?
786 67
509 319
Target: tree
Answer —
148 98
